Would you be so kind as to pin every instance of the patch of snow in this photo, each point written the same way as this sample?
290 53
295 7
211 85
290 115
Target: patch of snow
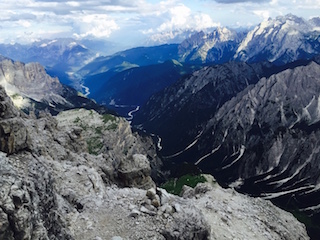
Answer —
159 146
207 155
53 41
298 119
262 28
315 189
72 44
272 176
176 62
317 112
112 102
214 150
305 111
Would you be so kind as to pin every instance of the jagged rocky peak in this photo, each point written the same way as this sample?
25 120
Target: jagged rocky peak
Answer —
315 22
216 46
281 40
29 81
47 169
30 78
62 44
62 54
7 108
32 89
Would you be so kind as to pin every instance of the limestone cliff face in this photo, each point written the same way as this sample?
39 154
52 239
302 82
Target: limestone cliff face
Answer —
30 79
75 176
32 89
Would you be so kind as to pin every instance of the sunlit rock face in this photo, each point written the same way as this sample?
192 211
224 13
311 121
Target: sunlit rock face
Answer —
280 40
32 89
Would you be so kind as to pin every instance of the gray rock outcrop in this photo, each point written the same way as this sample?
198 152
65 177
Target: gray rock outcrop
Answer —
67 181
235 216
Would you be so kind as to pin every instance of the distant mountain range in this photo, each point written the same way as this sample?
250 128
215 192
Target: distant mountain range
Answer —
280 41
218 46
60 57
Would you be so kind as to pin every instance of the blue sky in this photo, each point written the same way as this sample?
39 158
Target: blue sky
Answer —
132 22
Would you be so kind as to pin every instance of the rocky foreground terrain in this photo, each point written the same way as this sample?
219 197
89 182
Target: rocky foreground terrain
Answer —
82 175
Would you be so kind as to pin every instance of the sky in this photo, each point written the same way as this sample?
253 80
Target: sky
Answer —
131 23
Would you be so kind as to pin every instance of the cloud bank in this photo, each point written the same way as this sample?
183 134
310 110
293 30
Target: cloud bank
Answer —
241 1
131 22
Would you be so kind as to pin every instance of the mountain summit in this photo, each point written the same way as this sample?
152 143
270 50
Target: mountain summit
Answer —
217 46
281 40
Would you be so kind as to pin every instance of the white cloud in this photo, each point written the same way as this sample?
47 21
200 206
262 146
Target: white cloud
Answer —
24 23
180 17
240 1
263 14
73 4
133 21
203 21
95 25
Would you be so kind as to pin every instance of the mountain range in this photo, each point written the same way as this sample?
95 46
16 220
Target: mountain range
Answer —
241 105
279 41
